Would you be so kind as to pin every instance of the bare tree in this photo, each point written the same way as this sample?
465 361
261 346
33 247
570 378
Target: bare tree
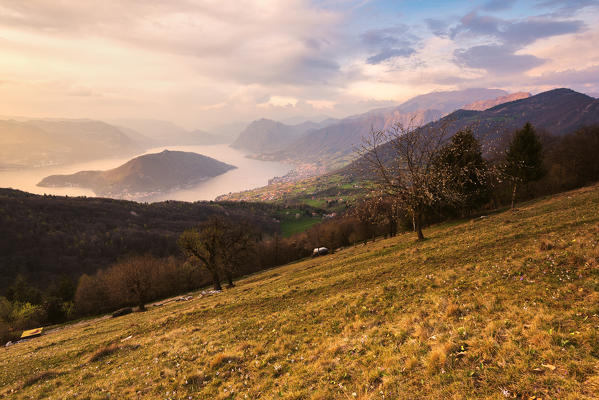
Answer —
204 247
237 247
136 275
401 163
363 212
380 210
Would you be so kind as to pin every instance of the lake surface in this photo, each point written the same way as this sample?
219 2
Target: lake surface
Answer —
249 174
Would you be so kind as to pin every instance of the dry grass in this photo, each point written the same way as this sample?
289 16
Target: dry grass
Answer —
223 359
501 307
109 350
40 377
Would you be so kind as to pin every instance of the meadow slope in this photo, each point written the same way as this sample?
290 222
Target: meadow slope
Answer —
504 306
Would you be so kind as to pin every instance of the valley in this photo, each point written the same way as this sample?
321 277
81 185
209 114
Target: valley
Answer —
554 112
458 315
299 200
250 173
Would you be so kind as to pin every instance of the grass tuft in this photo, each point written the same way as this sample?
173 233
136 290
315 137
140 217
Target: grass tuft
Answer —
223 359
40 377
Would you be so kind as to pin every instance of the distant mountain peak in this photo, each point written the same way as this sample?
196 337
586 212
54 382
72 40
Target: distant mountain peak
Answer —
482 105
266 135
557 111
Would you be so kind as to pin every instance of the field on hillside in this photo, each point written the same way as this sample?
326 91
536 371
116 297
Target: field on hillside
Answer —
313 191
293 226
499 307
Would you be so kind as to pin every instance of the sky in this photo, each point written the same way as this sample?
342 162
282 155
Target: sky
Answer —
205 63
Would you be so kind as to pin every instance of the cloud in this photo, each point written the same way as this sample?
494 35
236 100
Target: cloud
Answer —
390 53
513 33
205 61
497 59
526 32
438 27
212 32
568 8
498 5
503 40
570 77
389 43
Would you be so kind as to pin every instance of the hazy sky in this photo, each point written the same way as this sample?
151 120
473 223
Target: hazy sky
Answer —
205 62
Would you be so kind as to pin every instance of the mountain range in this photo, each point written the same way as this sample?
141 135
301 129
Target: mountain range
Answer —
26 142
39 142
144 175
154 133
557 111
482 105
332 143
267 136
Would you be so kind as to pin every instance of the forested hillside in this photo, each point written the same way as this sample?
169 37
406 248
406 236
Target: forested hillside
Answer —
45 237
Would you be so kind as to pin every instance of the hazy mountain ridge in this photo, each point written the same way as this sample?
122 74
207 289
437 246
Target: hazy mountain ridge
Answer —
445 101
336 143
483 105
31 142
38 142
557 112
166 133
266 136
145 174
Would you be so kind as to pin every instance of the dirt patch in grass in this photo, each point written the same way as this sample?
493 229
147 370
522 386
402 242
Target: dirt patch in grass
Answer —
108 350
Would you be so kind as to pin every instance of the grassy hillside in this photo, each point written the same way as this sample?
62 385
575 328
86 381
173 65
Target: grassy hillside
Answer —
499 307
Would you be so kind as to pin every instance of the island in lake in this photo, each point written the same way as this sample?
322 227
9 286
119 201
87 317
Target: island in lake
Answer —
145 175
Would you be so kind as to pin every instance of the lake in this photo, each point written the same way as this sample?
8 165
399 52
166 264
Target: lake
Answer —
249 174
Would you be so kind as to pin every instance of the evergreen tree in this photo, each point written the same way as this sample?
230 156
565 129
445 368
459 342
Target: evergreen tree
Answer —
524 159
466 172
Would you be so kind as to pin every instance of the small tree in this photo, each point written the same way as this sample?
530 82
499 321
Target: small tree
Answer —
523 159
401 161
204 247
136 275
365 230
237 246
380 210
91 294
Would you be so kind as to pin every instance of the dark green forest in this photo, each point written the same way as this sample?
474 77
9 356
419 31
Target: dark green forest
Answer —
45 238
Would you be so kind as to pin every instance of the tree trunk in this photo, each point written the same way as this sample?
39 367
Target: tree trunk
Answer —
418 225
216 280
229 278
514 194
142 306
